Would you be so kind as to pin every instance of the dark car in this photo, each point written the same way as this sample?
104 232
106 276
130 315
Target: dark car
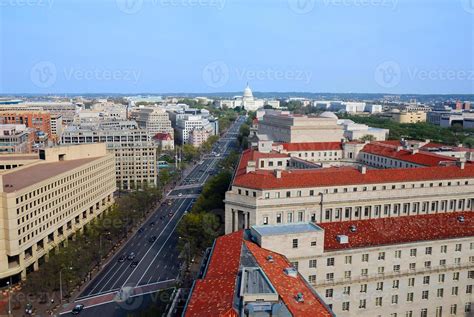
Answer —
141 230
170 214
134 264
131 256
77 309
152 223
122 258
152 239
29 309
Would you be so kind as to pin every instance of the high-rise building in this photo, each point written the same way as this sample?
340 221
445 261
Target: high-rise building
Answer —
134 150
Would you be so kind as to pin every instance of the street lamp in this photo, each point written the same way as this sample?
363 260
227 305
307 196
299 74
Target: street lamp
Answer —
61 284
9 299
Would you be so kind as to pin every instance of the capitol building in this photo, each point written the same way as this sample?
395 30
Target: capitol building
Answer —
247 101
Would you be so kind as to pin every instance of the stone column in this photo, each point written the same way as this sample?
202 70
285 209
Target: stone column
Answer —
235 217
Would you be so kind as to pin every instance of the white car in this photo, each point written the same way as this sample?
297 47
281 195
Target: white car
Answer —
180 194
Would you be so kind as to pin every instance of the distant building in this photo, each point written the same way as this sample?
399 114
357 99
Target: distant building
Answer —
247 101
164 141
40 121
404 116
153 119
46 198
16 138
285 127
135 152
187 123
198 136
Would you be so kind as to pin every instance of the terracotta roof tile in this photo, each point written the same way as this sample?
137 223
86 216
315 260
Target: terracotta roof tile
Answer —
421 158
288 287
340 176
214 295
403 229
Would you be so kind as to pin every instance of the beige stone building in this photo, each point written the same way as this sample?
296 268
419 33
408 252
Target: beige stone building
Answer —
403 266
406 116
281 126
46 199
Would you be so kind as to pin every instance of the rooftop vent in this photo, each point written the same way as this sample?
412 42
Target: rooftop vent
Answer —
353 228
342 239
300 298
270 259
291 271
461 219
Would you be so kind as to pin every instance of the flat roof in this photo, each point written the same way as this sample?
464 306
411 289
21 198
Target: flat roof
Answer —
299 227
16 157
18 179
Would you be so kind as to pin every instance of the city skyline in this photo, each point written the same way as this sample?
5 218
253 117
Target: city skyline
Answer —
390 46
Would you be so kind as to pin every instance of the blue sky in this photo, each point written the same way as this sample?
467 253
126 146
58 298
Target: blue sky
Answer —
130 46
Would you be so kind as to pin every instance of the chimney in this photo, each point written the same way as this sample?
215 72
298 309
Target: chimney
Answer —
277 173
250 166
363 169
461 163
414 151
399 148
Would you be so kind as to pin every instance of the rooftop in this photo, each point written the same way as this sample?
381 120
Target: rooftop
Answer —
20 178
215 294
421 158
283 229
396 230
340 176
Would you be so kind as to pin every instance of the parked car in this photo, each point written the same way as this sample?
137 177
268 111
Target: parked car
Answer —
134 263
77 309
131 256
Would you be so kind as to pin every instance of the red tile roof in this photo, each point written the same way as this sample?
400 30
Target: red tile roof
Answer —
214 295
163 136
340 176
286 286
313 146
420 158
253 155
403 229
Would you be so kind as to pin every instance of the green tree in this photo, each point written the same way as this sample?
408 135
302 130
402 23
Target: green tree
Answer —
198 230
367 137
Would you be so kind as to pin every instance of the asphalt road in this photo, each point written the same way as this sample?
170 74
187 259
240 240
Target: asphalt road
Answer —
159 260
